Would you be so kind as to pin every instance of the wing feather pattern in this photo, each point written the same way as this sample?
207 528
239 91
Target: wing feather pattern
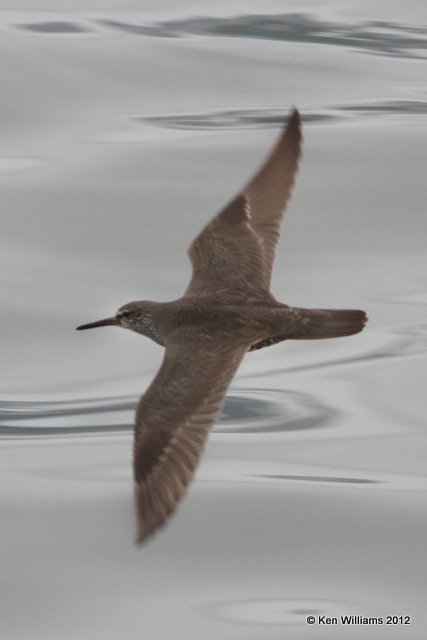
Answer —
270 189
173 420
236 249
227 254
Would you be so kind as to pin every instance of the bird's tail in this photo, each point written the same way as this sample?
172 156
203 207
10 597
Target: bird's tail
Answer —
315 324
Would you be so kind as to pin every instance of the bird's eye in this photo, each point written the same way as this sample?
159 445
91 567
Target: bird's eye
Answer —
125 313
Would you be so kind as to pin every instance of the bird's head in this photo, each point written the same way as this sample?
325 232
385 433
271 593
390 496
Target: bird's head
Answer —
136 316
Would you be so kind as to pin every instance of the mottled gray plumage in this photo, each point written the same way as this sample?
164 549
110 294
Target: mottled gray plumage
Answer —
226 311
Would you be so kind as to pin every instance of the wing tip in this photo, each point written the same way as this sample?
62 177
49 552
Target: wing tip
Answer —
295 114
142 531
289 143
294 125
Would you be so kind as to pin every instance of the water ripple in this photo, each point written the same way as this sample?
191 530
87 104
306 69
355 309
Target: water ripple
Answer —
230 119
379 37
143 128
276 611
327 479
408 341
263 411
54 27
271 118
383 38
20 418
246 411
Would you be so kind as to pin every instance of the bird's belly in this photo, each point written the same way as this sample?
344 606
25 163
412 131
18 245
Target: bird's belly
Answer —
238 323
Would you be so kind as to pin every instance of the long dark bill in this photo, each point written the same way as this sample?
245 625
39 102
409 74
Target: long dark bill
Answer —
100 323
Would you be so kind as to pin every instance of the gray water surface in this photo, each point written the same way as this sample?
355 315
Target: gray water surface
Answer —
124 128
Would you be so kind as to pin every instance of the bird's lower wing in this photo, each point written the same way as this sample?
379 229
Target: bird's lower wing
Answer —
173 420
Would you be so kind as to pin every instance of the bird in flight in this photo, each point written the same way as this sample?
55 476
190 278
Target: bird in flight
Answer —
227 310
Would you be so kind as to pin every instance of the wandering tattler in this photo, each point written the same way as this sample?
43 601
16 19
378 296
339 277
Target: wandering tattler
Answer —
226 311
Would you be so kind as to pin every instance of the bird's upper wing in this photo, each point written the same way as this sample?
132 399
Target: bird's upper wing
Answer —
270 188
236 249
173 419
227 254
